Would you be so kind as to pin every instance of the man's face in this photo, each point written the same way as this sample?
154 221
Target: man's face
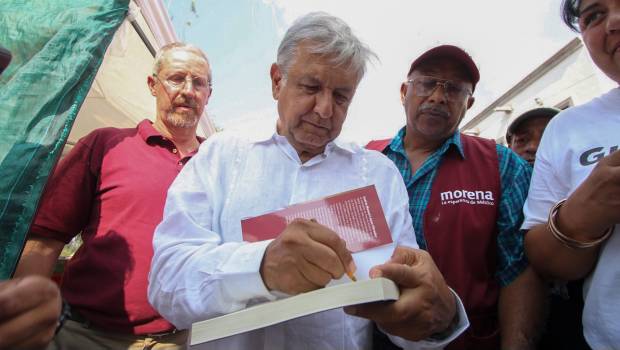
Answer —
599 22
526 138
181 88
312 101
437 116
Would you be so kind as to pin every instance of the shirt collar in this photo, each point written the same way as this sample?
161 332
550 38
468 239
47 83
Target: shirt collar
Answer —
148 131
398 143
265 135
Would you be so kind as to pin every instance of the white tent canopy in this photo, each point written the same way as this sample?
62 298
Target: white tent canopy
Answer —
119 96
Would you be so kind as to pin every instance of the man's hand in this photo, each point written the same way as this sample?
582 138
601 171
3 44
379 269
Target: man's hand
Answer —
595 204
304 257
29 309
426 305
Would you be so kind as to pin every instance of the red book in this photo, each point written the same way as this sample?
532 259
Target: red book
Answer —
356 216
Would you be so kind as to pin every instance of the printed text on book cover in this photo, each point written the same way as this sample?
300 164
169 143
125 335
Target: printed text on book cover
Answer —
356 216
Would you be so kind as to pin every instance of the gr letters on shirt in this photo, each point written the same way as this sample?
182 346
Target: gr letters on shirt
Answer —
593 155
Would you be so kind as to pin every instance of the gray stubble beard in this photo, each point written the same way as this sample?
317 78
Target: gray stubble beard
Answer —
179 121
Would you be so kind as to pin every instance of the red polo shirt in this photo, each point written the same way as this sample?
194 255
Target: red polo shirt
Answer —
111 187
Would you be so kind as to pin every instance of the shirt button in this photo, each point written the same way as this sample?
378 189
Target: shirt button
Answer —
180 163
174 150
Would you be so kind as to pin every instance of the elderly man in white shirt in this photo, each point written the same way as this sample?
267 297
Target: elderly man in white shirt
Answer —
202 268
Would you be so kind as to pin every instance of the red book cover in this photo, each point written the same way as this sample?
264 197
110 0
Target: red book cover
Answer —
356 216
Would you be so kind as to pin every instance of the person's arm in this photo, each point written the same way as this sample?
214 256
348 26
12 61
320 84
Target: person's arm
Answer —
197 273
64 209
522 311
29 310
587 213
553 260
522 293
39 257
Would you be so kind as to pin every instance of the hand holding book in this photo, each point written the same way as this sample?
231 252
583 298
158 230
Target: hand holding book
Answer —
309 250
426 305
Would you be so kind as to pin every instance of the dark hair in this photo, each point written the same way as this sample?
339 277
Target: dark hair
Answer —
570 13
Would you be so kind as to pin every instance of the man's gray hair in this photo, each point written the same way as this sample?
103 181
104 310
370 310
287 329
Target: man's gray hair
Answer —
159 58
326 36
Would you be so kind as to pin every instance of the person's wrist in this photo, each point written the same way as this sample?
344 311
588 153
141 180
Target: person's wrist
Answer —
264 274
451 325
571 241
577 222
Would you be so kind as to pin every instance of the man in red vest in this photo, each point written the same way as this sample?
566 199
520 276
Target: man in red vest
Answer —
466 196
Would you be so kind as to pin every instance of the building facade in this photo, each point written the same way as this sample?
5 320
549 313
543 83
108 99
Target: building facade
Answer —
566 79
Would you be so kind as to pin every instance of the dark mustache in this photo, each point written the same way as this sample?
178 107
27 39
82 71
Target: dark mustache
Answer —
434 109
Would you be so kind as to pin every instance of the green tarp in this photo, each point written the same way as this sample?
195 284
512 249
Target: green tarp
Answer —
57 47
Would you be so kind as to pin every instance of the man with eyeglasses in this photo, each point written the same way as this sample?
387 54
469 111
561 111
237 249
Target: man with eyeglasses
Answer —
465 197
112 188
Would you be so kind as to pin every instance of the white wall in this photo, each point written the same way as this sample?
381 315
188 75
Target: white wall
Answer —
575 77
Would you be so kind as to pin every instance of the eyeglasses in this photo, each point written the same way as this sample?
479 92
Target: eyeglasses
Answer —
177 81
424 86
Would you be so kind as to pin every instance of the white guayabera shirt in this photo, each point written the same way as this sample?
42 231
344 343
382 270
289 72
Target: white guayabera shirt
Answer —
201 267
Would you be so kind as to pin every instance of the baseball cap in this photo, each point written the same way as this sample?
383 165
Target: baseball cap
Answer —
541 112
450 51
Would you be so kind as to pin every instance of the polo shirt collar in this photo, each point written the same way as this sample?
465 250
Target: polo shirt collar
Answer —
398 143
147 131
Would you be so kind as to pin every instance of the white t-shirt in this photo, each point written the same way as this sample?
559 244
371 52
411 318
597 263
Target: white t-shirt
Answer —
573 142
201 268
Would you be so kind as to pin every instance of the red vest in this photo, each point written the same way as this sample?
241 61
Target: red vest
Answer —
461 234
